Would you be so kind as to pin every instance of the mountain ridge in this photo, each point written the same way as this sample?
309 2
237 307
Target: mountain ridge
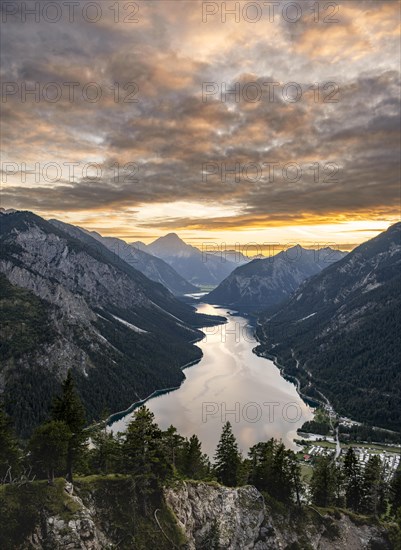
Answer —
122 334
266 282
199 267
339 332
153 267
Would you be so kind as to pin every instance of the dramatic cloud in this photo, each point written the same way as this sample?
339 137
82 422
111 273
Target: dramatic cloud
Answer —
250 125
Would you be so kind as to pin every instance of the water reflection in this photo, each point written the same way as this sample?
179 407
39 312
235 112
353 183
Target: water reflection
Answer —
231 383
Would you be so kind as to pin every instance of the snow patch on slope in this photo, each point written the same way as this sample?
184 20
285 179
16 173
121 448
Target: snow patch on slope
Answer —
129 325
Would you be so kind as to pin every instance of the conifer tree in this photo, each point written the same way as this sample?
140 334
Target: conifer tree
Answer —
106 452
395 492
227 458
49 447
9 451
353 481
275 469
324 482
374 492
194 463
173 443
68 408
145 456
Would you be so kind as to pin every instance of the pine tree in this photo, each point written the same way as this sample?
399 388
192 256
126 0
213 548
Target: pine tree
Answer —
295 477
286 474
194 463
275 469
227 458
9 451
324 482
374 492
68 408
145 456
173 443
106 452
49 447
353 481
261 458
395 492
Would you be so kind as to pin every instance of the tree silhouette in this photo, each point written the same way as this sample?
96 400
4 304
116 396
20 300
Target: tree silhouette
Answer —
227 458
68 408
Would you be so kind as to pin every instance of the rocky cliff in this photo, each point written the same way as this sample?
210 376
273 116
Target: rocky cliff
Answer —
244 522
71 303
196 265
102 513
154 268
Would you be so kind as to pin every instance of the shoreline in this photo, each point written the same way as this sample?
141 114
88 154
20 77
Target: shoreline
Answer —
311 402
119 415
115 417
289 377
305 397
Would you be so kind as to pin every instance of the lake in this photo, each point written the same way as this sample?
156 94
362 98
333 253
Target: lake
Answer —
230 383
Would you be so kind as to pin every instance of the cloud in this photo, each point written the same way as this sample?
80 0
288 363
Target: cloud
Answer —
170 133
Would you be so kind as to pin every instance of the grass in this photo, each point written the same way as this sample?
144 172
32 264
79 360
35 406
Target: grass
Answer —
306 472
118 505
21 507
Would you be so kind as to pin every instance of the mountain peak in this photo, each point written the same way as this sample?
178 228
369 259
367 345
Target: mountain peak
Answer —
8 211
171 237
170 245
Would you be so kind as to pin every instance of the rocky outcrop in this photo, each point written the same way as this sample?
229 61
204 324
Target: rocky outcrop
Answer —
154 268
102 513
78 533
245 522
239 513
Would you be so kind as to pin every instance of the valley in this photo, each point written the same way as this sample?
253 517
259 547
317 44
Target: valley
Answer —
200 275
230 383
161 376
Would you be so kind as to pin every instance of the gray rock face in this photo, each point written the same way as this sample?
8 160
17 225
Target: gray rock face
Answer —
79 533
121 332
264 283
244 523
239 513
154 268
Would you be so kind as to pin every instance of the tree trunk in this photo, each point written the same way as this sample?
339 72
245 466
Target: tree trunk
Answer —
50 476
69 466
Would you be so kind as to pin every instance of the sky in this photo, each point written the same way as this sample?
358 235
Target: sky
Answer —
136 119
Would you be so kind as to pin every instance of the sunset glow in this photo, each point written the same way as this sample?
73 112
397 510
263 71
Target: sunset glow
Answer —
163 149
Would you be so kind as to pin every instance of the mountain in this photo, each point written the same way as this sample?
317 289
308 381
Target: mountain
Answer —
264 283
340 332
138 244
235 256
72 303
171 245
195 266
154 268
